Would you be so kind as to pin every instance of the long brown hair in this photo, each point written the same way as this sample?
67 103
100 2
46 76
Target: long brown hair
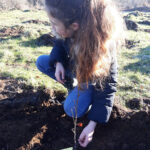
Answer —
100 24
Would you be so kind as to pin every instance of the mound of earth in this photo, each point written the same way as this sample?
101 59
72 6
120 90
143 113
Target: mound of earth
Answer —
37 22
131 25
39 123
45 40
14 31
130 43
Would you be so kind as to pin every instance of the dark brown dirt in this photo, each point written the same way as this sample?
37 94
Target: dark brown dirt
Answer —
32 120
45 40
15 31
130 43
37 22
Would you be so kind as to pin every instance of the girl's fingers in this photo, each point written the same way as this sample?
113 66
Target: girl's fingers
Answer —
60 74
61 77
63 74
82 138
58 77
84 142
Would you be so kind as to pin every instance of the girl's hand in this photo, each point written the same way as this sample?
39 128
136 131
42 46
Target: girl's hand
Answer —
60 73
87 134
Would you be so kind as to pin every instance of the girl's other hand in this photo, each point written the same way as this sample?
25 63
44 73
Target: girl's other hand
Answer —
60 73
87 134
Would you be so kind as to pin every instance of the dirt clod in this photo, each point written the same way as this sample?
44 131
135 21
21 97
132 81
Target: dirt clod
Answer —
15 31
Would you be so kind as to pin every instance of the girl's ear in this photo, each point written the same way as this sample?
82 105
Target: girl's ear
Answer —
74 26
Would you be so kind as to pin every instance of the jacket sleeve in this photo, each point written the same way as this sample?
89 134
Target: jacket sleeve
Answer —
103 100
58 53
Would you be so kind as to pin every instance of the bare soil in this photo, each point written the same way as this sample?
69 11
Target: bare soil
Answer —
37 22
35 120
130 43
15 31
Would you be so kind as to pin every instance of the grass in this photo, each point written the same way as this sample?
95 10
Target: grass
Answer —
134 68
18 56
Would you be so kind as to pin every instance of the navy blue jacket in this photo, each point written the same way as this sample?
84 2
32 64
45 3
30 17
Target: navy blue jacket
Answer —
102 99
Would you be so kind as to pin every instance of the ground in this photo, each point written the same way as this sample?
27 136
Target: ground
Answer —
36 120
31 115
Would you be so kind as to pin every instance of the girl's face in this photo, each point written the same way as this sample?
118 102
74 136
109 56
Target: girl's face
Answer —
59 29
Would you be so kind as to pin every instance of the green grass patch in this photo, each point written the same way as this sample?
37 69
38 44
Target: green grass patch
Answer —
18 55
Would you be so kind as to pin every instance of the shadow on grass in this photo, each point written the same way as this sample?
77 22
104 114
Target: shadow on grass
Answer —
30 43
18 58
135 79
10 38
143 64
6 74
147 48
44 40
1 55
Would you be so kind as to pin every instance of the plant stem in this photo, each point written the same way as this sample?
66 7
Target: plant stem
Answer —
75 118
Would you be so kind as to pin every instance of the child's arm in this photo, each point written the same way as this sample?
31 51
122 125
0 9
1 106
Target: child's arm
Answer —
103 100
58 54
60 73
87 134
101 106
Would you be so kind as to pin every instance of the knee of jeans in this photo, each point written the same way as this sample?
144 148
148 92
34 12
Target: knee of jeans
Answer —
38 61
72 111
